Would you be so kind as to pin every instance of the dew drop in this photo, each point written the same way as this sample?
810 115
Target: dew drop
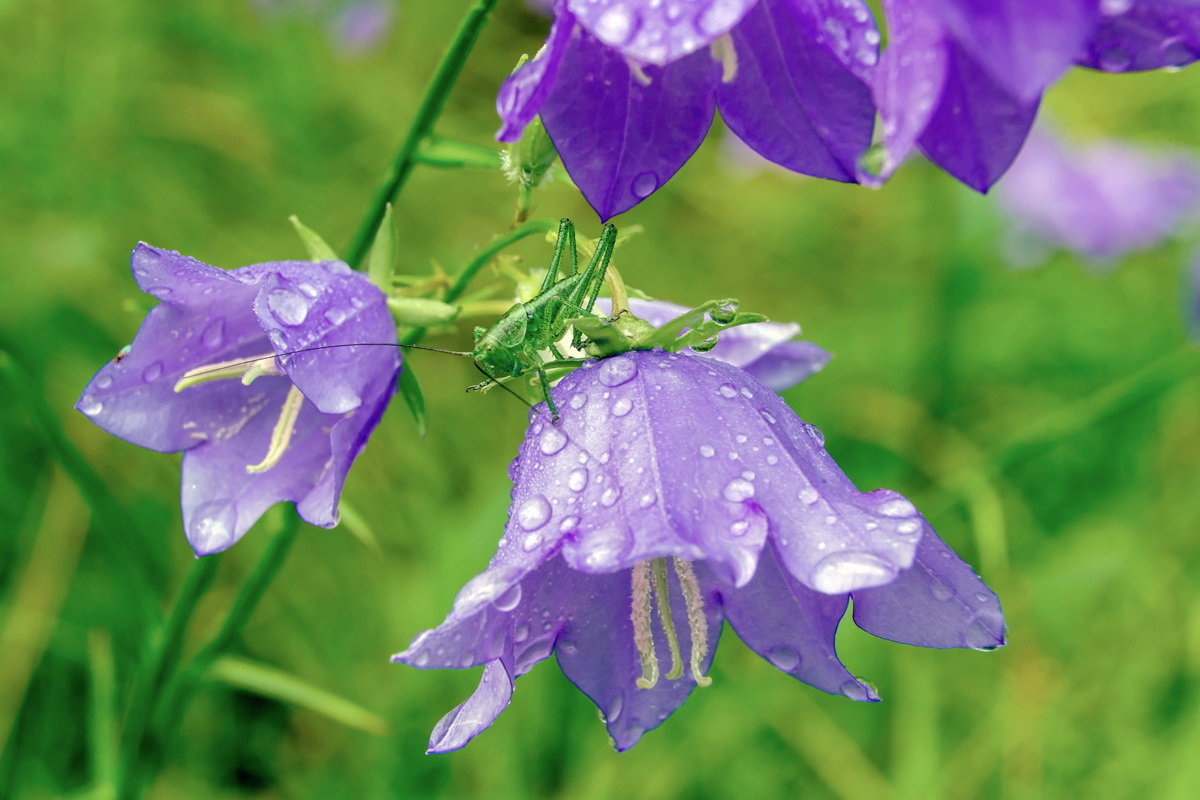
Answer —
718 17
90 405
577 402
213 526
422 659
940 591
603 548
577 480
335 315
509 600
214 334
568 524
104 381
533 513
727 390
809 495
784 658
739 528
645 184
767 416
984 632
521 633
738 489
308 289
844 572
152 372
616 25
897 507
707 451
288 306
552 441
622 407
614 709
1115 59
646 500
617 370
609 496
531 542
772 460
908 527
857 691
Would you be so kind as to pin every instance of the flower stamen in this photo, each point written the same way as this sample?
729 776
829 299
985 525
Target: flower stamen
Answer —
281 435
662 599
643 634
723 50
246 369
697 621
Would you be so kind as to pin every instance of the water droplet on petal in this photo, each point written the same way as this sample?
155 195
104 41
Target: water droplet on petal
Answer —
940 591
90 405
985 631
857 691
809 495
569 524
844 572
707 451
288 306
784 658
214 334
603 548
553 441
533 513
739 528
104 381
531 542
897 507
767 416
308 289
617 25
509 600
908 527
521 633
614 708
646 500
609 497
578 479
335 315
213 528
152 372
617 370
1115 59
718 17
578 401
622 407
727 390
738 489
644 185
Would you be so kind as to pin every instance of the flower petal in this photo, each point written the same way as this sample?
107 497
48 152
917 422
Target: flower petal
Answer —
939 602
788 364
475 714
1025 46
793 99
1147 34
978 127
178 279
658 33
524 91
302 304
793 627
621 138
909 82
596 652
221 500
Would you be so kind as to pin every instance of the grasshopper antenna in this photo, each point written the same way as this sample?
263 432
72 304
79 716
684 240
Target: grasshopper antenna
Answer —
314 348
491 379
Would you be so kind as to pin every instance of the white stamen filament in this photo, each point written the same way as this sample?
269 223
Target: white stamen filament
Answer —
643 634
638 72
697 621
662 599
724 51
246 368
281 435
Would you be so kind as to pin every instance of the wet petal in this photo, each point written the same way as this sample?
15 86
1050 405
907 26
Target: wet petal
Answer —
792 627
978 127
939 602
596 652
793 98
523 93
788 364
909 82
221 500
621 138
658 32
1146 34
476 713
1025 46
178 279
302 305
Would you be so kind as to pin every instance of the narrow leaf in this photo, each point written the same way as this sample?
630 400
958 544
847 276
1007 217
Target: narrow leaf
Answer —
410 390
318 249
381 262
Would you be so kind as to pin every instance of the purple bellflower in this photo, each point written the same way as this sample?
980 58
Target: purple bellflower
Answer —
253 432
627 88
675 493
962 79
1102 200
767 350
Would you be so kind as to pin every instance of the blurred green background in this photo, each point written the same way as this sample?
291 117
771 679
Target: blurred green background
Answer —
1046 421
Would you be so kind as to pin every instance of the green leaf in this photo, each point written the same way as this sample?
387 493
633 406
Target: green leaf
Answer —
381 261
357 526
410 390
268 681
437 151
318 249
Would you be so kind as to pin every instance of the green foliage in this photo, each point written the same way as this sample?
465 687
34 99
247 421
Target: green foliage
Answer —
1045 421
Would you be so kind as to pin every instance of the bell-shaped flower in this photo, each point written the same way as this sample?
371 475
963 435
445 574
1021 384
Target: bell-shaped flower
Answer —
1101 200
210 374
627 88
767 350
676 492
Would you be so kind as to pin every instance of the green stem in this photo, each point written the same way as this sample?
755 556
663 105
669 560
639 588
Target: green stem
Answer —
162 656
489 251
431 108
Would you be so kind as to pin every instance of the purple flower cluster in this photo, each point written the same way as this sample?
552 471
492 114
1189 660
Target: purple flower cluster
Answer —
207 375
676 493
627 88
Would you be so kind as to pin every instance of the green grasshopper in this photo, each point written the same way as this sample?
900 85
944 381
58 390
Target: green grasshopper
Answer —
515 344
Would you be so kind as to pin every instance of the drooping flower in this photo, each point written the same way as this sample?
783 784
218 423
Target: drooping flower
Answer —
627 88
767 350
1101 200
962 79
676 492
253 432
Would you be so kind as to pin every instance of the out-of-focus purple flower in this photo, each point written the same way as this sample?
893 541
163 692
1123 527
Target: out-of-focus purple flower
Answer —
962 79
627 88
360 26
677 492
767 350
1101 200
253 433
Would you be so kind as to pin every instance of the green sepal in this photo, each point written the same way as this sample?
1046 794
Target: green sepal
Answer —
381 261
528 160
410 390
703 337
421 312
665 336
437 151
318 249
